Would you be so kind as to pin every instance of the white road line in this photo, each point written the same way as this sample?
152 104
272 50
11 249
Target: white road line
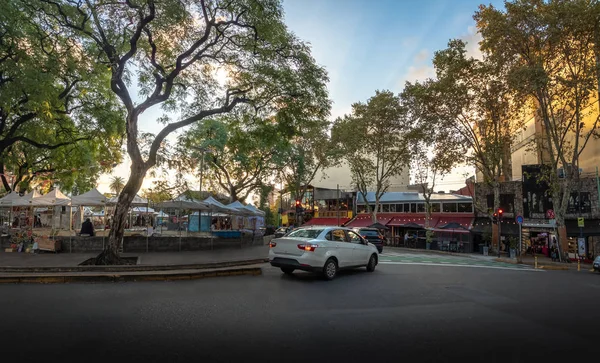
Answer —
444 262
427 261
477 266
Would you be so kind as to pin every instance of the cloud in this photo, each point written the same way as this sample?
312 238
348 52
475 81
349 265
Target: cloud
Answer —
422 56
472 38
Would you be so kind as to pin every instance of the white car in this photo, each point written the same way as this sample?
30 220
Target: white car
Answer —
322 249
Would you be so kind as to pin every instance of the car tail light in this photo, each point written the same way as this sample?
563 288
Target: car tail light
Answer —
307 247
272 244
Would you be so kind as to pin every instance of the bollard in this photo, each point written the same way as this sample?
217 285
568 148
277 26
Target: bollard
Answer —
579 265
535 262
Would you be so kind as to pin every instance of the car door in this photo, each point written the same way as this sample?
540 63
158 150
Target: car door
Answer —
343 247
360 251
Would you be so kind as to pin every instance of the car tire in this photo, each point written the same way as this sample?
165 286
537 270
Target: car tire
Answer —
330 269
372 263
287 270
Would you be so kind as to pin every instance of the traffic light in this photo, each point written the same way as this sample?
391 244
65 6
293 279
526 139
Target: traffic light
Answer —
500 214
298 205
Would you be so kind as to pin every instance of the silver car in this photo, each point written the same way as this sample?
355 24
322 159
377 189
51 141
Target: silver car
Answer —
322 249
597 264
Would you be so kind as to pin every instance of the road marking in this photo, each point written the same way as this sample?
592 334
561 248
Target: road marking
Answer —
478 266
427 261
443 262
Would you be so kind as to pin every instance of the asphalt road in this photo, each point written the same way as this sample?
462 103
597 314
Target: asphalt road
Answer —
410 313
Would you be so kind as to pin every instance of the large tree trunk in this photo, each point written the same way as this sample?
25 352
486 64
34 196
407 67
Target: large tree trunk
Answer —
560 210
110 255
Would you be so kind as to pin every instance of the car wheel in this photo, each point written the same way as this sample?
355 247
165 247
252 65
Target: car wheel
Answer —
330 269
287 270
372 263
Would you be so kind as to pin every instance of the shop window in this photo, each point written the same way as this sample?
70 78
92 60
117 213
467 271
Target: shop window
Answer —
507 202
465 207
421 208
406 208
579 203
413 207
385 208
399 208
392 208
435 207
449 207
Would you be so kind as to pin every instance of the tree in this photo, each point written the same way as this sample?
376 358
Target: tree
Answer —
477 109
309 151
116 184
373 140
552 51
174 50
52 99
434 150
160 192
240 151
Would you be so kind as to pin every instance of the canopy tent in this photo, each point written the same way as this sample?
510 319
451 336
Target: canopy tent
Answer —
162 214
183 204
90 198
143 210
54 198
220 206
7 200
137 201
452 227
241 208
26 200
256 211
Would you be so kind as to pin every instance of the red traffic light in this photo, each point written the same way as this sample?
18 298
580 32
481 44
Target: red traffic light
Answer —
298 203
500 211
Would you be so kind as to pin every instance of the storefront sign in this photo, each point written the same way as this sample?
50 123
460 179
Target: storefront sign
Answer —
580 222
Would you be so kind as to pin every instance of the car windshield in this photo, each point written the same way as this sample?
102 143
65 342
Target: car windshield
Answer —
597 259
305 233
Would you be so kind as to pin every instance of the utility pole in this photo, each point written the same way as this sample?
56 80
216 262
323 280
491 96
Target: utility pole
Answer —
338 204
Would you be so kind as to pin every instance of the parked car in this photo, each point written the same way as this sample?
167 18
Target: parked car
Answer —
372 235
280 232
322 249
597 264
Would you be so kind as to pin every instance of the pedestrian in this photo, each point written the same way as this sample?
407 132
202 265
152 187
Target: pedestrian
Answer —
553 252
87 228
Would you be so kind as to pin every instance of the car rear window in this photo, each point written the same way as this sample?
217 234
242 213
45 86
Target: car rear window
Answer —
366 232
305 233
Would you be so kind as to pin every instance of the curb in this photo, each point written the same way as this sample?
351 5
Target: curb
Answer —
437 252
554 268
130 277
132 268
509 260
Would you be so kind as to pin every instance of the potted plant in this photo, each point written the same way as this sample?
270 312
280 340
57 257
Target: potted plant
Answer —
513 245
486 238
428 238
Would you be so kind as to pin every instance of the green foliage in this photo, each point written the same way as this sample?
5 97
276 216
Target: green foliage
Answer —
116 184
373 139
55 106
551 50
239 151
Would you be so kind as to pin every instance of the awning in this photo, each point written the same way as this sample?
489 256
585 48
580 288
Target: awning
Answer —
410 221
484 224
326 221
591 227
365 220
464 222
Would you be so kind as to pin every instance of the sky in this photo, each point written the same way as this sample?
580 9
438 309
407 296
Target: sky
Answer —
368 45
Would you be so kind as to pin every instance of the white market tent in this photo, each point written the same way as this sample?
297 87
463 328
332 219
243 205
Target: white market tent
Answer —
162 214
241 208
52 199
137 201
255 210
91 198
7 200
220 206
140 210
26 200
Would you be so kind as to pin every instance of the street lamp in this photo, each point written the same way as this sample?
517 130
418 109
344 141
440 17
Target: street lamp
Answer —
203 150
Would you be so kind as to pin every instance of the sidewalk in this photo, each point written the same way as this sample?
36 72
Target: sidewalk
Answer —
437 252
144 258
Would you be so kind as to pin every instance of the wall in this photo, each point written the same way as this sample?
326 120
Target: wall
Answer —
155 244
